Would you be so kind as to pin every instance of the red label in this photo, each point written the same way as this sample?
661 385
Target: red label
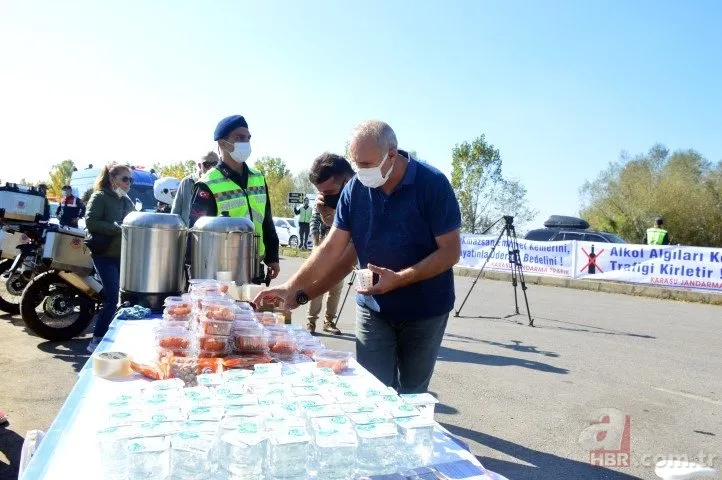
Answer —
76 243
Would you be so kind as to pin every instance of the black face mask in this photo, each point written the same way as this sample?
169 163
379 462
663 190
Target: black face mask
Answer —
331 200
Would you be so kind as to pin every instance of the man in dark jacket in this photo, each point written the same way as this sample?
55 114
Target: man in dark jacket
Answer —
70 209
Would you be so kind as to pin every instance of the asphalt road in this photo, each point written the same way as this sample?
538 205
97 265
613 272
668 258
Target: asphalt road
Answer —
519 396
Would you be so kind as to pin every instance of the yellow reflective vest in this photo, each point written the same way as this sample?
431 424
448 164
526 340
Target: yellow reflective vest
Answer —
655 236
239 203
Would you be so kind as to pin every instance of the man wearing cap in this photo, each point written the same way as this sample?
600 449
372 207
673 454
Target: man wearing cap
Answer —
656 235
182 201
70 209
234 187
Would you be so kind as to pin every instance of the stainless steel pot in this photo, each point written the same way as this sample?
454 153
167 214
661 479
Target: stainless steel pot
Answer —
225 244
152 257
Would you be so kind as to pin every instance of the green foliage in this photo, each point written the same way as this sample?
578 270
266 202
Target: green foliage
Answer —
683 187
280 183
178 170
483 193
302 183
59 177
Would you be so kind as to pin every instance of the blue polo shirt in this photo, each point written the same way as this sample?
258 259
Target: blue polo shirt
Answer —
397 231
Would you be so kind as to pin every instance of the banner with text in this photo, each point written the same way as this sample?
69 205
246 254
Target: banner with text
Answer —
537 258
695 268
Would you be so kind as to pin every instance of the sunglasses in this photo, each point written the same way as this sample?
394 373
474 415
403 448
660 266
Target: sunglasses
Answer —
210 164
128 180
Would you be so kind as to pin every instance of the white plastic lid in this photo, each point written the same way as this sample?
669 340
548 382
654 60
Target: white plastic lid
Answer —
377 430
149 444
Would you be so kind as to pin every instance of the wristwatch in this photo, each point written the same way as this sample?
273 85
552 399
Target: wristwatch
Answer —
301 297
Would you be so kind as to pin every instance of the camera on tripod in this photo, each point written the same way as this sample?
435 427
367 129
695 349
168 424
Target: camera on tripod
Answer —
517 270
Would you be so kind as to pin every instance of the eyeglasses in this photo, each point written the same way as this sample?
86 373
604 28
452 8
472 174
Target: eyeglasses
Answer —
124 179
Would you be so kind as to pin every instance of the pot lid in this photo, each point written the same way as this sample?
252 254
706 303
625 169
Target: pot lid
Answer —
164 221
223 224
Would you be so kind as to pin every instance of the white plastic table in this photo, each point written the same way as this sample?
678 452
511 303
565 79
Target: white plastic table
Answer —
69 449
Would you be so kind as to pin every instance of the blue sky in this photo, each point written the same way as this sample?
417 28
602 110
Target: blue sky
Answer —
560 87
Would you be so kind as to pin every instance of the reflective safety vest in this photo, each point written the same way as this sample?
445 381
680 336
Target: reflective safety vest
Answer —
239 203
655 236
305 215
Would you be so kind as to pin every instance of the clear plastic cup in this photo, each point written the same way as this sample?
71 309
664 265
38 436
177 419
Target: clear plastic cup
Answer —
191 455
149 457
417 436
288 455
335 452
243 454
378 450
425 403
364 279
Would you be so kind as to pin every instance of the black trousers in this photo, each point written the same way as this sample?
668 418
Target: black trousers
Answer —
304 229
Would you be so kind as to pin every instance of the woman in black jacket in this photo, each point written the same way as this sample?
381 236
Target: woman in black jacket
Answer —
107 208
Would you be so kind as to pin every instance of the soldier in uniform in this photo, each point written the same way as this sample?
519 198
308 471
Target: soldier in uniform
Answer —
234 187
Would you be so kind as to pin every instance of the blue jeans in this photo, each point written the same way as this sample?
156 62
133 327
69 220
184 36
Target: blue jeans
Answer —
109 270
401 354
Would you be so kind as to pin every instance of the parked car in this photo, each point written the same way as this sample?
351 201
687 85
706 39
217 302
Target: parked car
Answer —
559 228
287 232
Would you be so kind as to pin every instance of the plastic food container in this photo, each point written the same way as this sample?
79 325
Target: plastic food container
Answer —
425 403
267 318
247 339
173 338
213 353
282 343
333 359
178 352
215 327
170 322
213 343
217 308
179 311
310 348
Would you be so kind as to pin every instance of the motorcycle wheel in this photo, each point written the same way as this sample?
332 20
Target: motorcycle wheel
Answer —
64 313
11 289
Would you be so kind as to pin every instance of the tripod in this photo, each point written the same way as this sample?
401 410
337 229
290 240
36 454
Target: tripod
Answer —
350 284
517 272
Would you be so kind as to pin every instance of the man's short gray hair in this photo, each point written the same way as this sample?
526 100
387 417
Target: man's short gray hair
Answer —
377 130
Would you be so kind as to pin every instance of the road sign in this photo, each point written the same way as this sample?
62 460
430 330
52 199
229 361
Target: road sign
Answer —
296 197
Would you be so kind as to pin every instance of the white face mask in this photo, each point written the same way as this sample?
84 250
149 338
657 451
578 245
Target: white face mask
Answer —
121 192
241 151
372 177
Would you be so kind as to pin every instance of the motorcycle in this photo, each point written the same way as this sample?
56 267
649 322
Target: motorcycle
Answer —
17 270
60 303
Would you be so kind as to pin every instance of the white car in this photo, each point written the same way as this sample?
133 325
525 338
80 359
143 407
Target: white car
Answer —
287 231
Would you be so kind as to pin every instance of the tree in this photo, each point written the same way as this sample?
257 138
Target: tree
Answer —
302 183
177 170
280 183
483 193
683 187
60 175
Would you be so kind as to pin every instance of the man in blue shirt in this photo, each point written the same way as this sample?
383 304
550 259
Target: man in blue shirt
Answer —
402 219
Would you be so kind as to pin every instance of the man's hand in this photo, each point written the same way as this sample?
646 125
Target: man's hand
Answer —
388 281
274 269
325 211
282 292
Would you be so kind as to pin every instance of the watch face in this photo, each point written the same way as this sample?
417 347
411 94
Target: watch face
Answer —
301 297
